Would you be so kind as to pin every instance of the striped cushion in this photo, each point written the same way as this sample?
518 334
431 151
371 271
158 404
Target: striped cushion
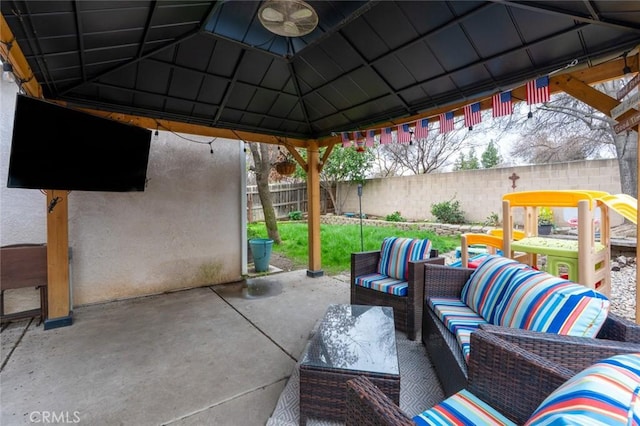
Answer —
454 314
538 301
396 253
462 408
607 393
463 337
383 283
484 290
458 318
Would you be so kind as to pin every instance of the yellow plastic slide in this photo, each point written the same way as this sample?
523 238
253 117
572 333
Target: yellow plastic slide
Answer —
623 204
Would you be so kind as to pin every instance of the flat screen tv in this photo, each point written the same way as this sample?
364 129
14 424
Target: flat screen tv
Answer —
54 147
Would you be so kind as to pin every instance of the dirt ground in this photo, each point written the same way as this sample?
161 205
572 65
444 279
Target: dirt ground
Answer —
283 262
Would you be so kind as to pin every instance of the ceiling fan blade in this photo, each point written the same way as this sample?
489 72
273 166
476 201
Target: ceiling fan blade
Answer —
291 28
301 14
272 15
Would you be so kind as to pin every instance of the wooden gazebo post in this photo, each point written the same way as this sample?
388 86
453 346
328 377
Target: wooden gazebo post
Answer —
58 290
313 198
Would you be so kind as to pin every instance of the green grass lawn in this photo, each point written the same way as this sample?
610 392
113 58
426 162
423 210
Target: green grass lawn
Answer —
339 241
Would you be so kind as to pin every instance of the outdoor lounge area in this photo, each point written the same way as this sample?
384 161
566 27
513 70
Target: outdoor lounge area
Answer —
149 315
219 355
231 354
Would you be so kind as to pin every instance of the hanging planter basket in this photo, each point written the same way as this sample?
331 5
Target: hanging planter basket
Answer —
286 168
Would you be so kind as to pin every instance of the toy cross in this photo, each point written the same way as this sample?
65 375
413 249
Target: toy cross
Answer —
514 177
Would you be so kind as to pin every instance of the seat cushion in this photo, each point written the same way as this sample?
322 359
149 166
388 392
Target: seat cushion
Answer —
462 408
383 283
454 313
606 393
538 301
458 318
484 290
396 252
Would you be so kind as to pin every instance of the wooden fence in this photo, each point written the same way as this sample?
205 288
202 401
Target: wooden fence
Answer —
287 198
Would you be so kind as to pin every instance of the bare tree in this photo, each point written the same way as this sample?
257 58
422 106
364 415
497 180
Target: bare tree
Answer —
425 155
566 129
262 167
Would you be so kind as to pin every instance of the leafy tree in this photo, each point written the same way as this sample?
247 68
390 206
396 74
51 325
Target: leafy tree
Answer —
472 162
467 163
460 163
343 165
490 157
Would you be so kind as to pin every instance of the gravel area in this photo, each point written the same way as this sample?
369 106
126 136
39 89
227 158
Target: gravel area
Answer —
623 287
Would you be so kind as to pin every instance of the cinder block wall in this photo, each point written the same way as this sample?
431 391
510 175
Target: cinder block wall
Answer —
478 191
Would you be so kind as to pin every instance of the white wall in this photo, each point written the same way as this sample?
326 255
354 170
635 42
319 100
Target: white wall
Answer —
186 229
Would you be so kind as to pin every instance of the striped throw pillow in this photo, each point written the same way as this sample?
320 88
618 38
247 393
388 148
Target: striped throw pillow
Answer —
484 290
396 252
607 393
538 301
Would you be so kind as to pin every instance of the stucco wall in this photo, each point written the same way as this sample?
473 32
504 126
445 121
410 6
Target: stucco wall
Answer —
478 191
184 230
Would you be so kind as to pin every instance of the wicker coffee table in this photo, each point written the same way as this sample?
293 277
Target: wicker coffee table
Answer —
351 340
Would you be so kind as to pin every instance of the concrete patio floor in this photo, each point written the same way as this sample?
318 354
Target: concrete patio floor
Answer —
217 355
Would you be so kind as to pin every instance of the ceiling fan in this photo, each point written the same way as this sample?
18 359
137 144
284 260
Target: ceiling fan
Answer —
288 18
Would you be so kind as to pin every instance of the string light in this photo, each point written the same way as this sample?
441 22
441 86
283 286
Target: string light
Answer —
188 139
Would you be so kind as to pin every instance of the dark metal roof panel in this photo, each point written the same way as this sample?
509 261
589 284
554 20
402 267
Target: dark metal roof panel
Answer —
212 62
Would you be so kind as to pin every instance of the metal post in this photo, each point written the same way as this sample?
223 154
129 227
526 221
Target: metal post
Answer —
360 202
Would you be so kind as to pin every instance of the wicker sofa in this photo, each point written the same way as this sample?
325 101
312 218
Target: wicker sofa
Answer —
445 351
375 275
511 370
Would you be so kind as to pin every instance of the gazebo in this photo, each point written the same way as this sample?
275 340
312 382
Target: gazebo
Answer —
300 74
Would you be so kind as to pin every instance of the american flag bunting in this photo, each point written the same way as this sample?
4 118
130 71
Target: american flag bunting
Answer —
370 138
502 104
472 114
346 142
358 140
538 91
385 136
422 128
404 135
446 122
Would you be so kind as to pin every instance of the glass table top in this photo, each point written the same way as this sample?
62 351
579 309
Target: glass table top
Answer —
355 337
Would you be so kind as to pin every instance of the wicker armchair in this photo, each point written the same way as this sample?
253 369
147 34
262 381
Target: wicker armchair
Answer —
444 350
508 371
407 310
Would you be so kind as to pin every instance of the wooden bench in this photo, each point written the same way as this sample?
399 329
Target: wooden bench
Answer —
23 265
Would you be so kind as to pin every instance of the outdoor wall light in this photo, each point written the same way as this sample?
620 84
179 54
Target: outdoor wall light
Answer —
7 72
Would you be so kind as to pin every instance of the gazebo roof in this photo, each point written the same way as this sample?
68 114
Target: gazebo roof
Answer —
213 64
